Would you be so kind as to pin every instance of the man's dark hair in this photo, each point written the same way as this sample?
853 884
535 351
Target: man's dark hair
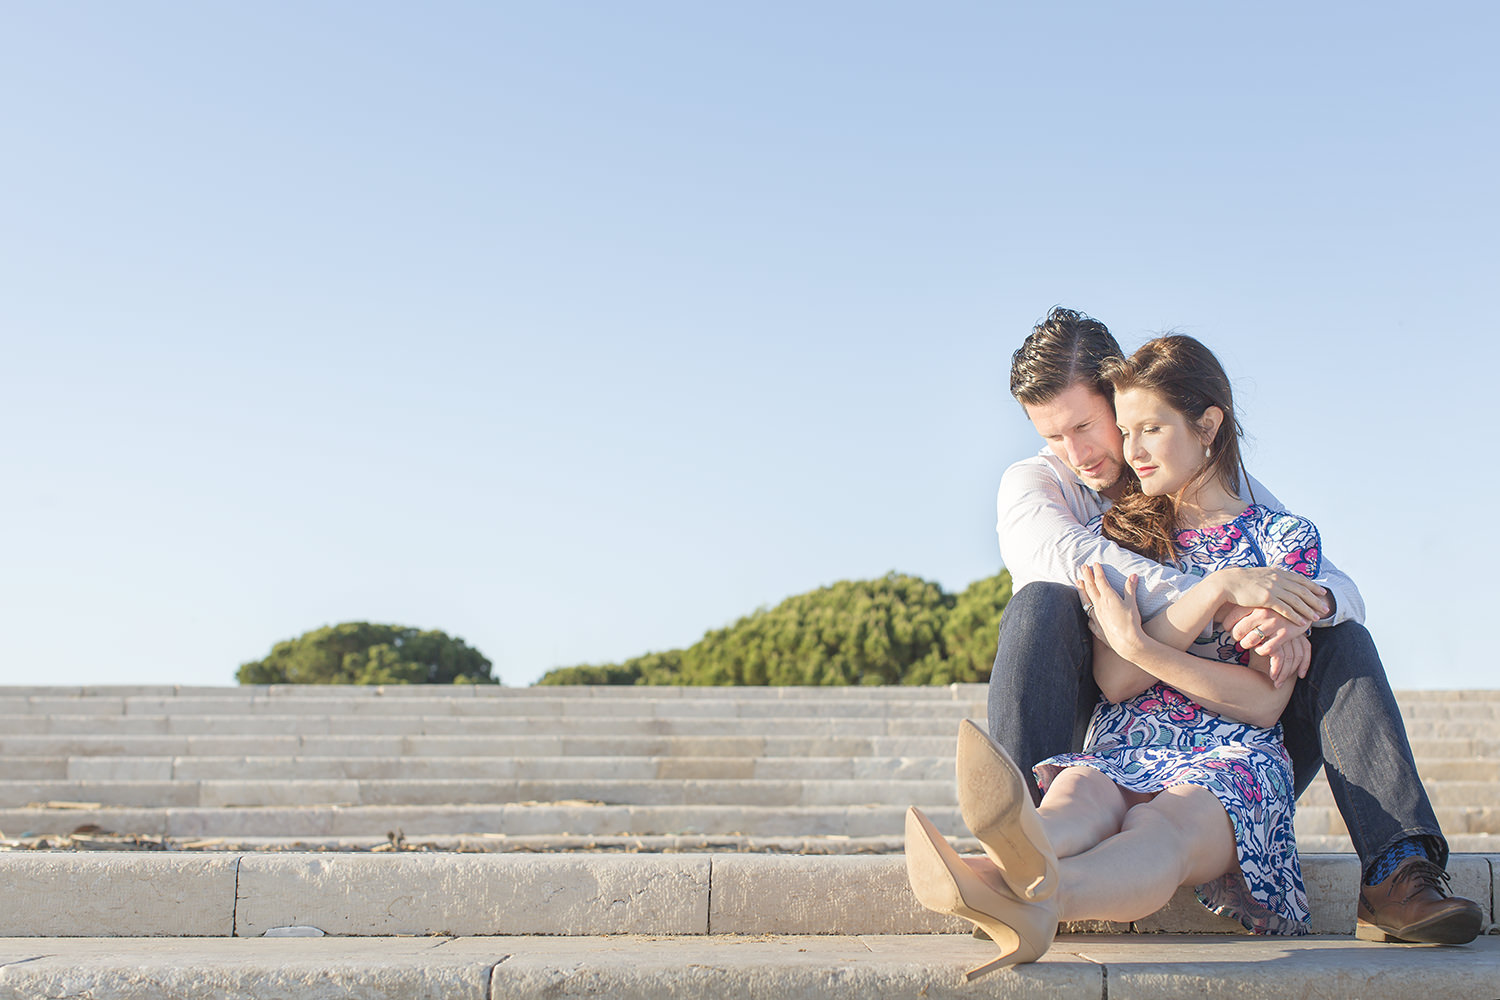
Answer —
1064 349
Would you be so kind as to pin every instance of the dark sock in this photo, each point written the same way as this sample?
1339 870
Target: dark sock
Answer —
1411 847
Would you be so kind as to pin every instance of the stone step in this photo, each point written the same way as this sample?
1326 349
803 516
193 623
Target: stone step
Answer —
1461 843
254 692
430 791
934 768
500 843
740 967
490 708
1451 782
462 725
440 725
1479 776
1440 791
268 789
94 711
606 700
421 821
146 745
1478 732
1480 748
522 725
584 745
948 692
572 817
57 894
1314 820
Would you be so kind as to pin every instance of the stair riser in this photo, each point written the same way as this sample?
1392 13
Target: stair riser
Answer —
214 794
515 819
930 768
740 747
72 894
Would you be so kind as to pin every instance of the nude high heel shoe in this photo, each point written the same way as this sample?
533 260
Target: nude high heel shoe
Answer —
944 883
996 806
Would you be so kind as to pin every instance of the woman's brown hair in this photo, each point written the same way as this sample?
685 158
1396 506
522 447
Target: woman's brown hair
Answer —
1189 379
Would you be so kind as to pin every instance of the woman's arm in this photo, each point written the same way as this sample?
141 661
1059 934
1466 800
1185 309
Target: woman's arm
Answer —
1118 679
1226 688
1184 621
1289 594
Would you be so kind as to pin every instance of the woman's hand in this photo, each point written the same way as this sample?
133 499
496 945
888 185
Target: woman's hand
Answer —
1291 595
1112 618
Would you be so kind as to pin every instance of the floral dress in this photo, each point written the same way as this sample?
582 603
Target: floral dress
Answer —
1162 738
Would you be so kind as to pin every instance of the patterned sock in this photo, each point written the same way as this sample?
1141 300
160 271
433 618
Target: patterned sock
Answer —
1411 847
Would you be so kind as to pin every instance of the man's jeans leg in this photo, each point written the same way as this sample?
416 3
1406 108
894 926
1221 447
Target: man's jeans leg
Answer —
1343 716
1042 690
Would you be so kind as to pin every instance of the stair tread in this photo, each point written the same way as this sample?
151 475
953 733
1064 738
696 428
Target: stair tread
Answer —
824 967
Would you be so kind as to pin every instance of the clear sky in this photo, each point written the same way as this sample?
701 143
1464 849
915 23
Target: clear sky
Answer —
579 329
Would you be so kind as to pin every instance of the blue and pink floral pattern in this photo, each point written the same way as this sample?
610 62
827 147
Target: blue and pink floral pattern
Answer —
1260 536
1162 738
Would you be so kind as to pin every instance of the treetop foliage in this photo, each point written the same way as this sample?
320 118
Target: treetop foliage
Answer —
363 653
897 629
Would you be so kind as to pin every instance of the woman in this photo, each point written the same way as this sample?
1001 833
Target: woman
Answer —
1183 779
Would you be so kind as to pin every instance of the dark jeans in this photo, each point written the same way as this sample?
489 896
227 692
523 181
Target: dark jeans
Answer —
1341 717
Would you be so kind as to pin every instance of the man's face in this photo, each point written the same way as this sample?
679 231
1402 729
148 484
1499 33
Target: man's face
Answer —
1078 425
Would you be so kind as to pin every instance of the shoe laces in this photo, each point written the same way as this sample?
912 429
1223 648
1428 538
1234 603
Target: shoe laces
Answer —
1419 875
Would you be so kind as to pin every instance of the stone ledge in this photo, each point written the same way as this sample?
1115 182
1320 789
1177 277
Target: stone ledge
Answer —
816 968
173 894
378 895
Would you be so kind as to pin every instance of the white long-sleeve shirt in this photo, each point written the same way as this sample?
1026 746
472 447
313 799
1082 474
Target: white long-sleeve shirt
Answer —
1043 511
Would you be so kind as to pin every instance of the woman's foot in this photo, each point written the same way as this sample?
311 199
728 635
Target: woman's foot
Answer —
996 805
944 883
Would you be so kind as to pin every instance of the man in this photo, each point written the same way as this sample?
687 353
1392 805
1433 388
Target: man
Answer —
1342 715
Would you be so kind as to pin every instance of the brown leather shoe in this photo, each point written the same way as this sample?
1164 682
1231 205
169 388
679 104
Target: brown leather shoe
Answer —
1413 905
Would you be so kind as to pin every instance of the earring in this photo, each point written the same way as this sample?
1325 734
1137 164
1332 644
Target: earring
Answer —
1208 453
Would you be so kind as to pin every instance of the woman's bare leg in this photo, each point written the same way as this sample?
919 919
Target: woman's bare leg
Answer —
1182 836
1082 808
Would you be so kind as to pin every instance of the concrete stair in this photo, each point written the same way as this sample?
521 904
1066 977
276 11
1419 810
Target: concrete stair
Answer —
739 967
199 924
630 842
504 767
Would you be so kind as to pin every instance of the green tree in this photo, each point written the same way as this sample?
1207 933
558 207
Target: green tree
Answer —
897 629
852 632
969 634
364 653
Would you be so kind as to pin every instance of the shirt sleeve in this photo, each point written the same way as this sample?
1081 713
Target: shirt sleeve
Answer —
1041 538
1348 604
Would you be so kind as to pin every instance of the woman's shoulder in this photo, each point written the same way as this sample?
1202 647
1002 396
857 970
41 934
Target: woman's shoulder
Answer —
1293 537
1270 521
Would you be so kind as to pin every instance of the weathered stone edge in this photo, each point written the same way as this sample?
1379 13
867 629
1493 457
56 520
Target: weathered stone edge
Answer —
221 895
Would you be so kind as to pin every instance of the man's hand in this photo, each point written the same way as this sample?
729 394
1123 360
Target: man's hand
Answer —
1258 630
1291 662
1269 634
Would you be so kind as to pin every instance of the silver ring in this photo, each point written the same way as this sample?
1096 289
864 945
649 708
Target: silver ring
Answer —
1088 609
1260 630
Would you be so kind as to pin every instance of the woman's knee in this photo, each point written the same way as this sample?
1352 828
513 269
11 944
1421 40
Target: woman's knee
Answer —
1194 822
1088 791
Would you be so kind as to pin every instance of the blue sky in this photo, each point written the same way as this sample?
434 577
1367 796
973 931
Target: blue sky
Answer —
577 330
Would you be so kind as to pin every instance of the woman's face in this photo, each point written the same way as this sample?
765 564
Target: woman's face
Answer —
1163 448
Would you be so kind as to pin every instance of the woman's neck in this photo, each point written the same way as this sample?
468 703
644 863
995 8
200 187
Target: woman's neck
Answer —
1208 505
